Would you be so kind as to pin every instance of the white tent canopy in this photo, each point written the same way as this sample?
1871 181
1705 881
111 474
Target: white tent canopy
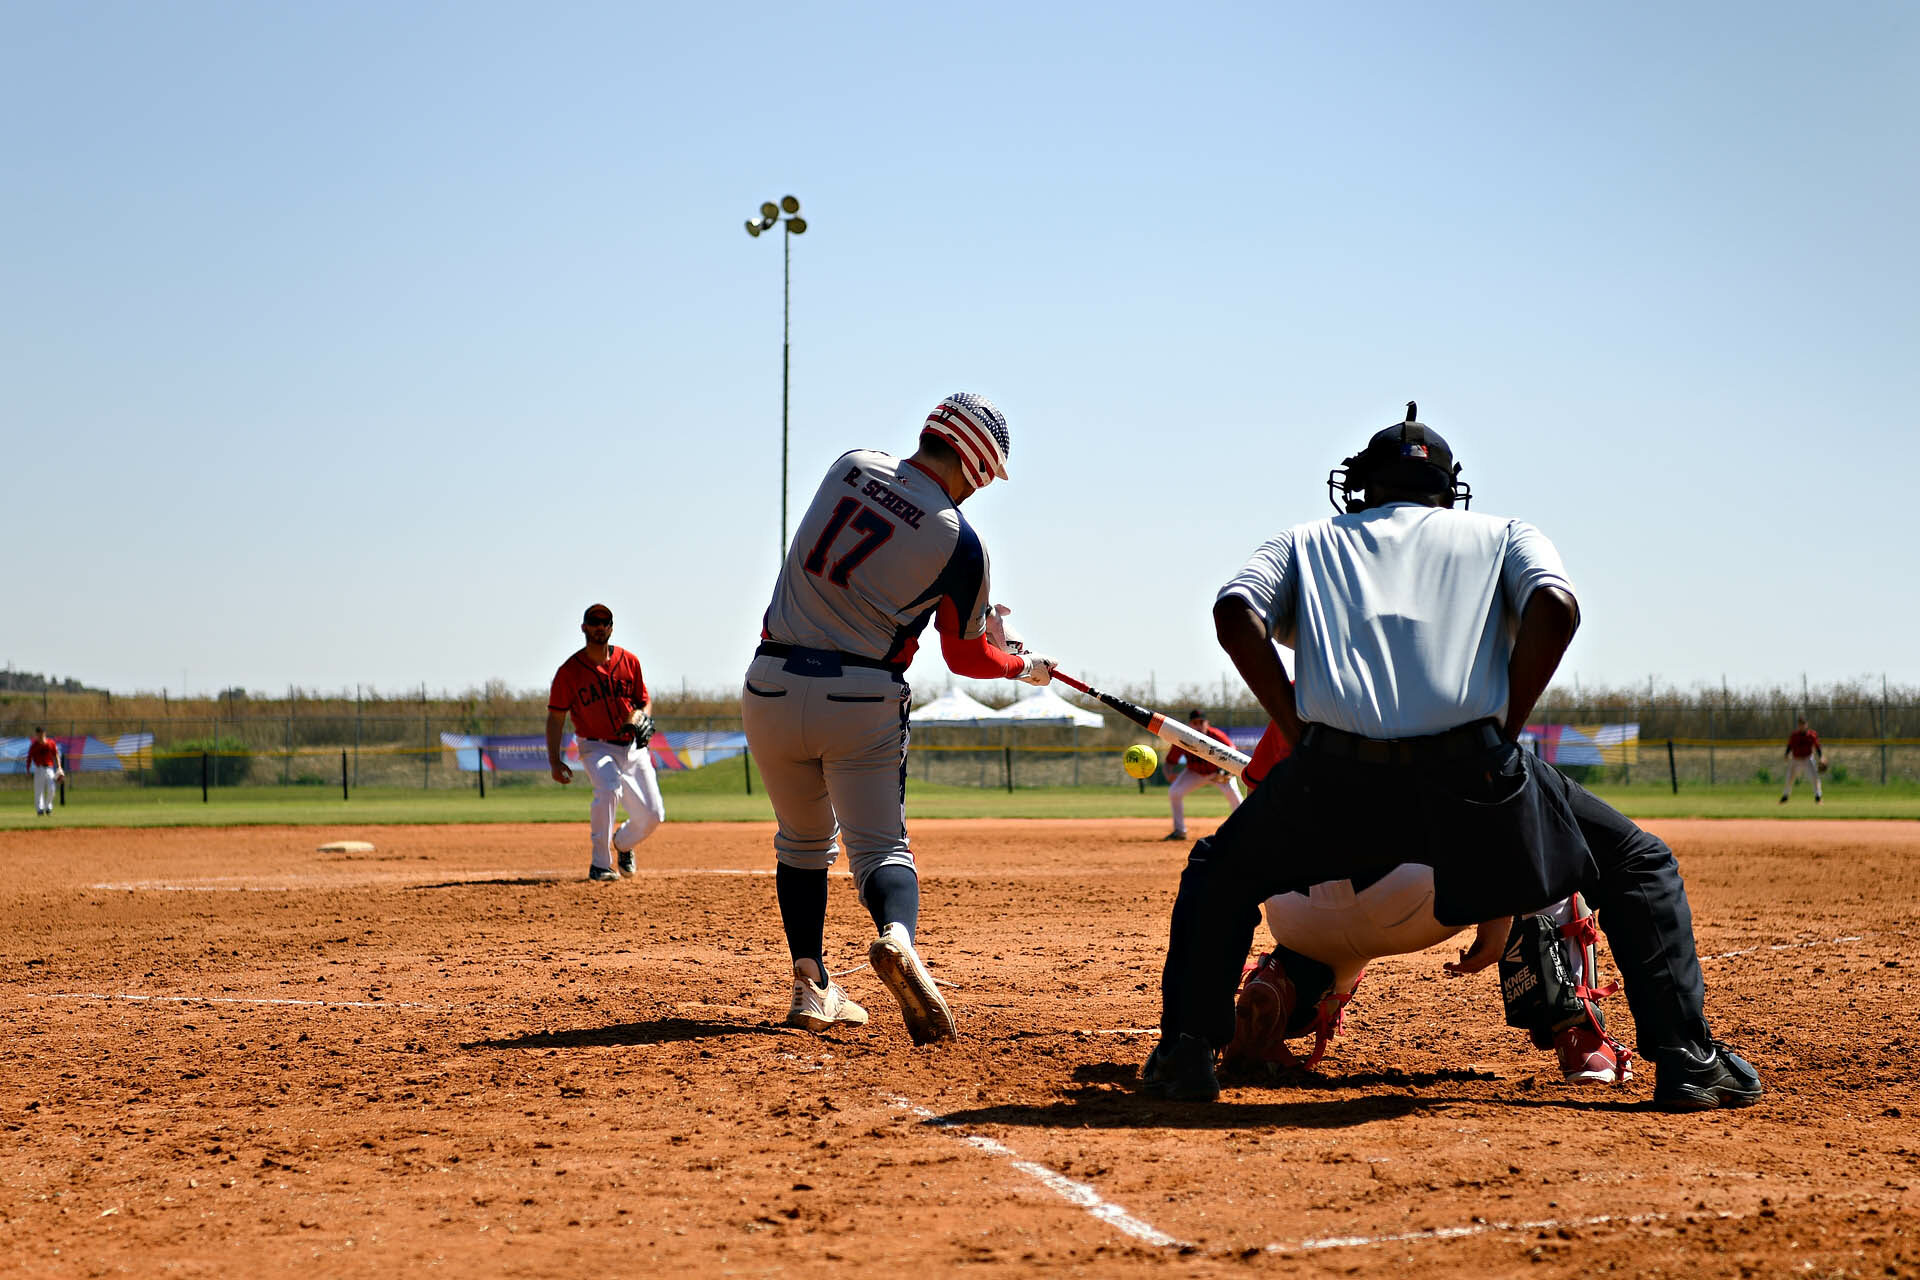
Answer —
958 709
1044 706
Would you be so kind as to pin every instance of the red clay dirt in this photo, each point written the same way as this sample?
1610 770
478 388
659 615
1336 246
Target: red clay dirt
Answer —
225 1052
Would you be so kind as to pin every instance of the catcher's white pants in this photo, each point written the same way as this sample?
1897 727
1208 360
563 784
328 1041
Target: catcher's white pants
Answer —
1347 930
621 775
1797 765
43 789
1188 781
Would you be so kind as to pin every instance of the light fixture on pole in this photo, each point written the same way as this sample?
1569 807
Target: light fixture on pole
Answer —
785 214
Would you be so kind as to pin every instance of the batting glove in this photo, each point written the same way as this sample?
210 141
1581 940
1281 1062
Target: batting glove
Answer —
1039 669
1001 632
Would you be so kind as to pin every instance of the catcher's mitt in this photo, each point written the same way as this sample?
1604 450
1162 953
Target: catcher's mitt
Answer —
637 733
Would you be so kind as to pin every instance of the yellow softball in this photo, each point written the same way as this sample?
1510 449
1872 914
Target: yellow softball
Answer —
1139 761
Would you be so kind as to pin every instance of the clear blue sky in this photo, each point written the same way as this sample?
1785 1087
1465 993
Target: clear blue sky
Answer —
365 343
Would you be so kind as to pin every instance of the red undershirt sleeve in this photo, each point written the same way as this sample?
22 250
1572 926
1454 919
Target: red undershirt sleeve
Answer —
976 659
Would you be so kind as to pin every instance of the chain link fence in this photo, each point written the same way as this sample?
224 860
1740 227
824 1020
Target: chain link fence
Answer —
1694 744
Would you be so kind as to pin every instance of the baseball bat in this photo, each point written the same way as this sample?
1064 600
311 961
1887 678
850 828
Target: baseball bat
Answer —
1171 732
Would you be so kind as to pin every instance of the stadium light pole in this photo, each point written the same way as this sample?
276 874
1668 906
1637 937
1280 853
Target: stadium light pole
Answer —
771 215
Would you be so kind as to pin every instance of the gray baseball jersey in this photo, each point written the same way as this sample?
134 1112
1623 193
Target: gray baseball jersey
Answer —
879 550
1401 617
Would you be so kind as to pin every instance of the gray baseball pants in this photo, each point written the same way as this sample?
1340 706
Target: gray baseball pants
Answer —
832 751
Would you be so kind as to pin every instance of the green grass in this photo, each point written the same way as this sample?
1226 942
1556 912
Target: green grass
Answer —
717 794
1895 800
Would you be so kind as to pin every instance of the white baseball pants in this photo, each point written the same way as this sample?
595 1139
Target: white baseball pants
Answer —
1796 765
832 752
43 789
621 775
1347 930
1191 779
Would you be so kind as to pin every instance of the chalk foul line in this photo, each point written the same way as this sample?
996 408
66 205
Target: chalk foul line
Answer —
1781 946
1078 1194
1456 1233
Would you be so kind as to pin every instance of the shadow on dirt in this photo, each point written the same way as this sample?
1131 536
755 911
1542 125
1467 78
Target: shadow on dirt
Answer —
494 883
658 1031
1127 1073
1110 1108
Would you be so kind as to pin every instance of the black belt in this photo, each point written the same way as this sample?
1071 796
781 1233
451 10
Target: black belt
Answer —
826 657
1454 744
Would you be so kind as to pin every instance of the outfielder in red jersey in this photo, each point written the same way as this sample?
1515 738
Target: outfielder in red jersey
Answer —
1803 756
601 687
1200 772
43 762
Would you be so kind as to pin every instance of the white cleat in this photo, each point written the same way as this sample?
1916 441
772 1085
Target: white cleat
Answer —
921 1004
815 1008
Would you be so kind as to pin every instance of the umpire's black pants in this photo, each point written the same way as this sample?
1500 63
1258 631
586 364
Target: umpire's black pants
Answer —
1505 835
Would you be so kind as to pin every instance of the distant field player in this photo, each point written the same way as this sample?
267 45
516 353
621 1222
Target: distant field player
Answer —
43 761
600 686
1803 756
1199 773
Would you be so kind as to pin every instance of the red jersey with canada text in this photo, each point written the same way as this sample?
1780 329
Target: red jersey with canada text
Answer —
599 698
1802 743
43 755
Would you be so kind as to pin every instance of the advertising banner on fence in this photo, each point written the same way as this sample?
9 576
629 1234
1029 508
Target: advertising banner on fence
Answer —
1584 743
84 753
1554 743
527 752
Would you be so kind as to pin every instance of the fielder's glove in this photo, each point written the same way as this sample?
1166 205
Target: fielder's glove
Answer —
1039 669
636 733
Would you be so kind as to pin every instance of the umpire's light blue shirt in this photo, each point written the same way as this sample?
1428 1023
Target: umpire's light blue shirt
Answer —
1401 617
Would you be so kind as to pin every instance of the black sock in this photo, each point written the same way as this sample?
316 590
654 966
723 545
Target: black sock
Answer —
893 894
803 912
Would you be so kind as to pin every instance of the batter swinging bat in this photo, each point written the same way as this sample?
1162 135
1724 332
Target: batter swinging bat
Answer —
1172 732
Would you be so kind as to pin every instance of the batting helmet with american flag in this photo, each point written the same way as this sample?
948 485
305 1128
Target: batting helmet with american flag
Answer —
977 430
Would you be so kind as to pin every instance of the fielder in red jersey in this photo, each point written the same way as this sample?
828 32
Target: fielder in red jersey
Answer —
1804 755
602 688
43 762
1200 772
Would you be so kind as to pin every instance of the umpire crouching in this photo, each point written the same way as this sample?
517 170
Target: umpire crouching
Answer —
1422 636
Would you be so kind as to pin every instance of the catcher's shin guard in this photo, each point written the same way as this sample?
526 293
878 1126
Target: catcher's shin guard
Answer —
1548 975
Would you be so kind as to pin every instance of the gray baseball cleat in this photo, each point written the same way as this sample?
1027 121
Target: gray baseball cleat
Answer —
602 873
927 1016
627 865
816 1007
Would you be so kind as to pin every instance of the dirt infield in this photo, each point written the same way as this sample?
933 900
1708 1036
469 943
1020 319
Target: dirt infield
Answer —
226 1052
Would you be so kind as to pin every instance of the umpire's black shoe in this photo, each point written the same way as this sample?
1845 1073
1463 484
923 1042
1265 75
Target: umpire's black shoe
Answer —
1686 1083
1181 1069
